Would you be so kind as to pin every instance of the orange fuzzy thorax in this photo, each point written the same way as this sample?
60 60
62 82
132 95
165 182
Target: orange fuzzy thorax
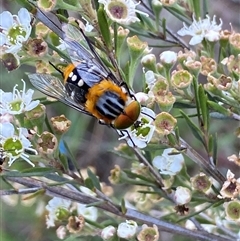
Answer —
98 90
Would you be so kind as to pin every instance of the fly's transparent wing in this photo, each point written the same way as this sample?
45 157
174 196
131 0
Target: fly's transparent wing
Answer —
53 87
88 63
76 44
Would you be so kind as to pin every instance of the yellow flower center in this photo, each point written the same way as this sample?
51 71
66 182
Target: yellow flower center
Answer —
14 32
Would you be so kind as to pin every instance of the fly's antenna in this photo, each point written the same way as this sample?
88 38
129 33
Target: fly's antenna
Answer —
56 68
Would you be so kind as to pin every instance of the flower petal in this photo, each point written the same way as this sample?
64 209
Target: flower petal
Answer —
6 20
24 16
3 39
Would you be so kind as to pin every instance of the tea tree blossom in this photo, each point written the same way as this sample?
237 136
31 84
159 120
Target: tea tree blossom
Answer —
122 11
108 232
17 101
202 29
127 230
58 209
90 213
14 30
168 163
15 143
182 195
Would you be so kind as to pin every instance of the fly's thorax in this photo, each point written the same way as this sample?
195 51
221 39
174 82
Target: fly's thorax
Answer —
112 104
106 101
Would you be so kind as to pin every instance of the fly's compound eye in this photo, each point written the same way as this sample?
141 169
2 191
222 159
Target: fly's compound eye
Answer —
130 115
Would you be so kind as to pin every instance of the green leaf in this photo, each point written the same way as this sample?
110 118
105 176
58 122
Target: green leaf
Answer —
64 161
89 183
212 147
204 107
172 140
195 130
197 8
35 194
164 23
218 108
195 86
146 21
177 134
26 4
94 179
34 171
123 206
104 27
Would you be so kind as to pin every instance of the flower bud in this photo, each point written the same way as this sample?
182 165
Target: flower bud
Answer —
224 38
41 30
127 230
61 232
232 210
108 233
201 182
149 62
166 101
60 124
137 47
193 66
187 54
148 233
181 79
35 116
165 123
75 224
209 65
37 47
231 187
168 58
47 143
234 158
46 5
121 37
10 61
223 82
234 40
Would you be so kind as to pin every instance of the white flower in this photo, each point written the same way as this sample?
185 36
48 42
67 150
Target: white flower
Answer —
204 28
182 195
14 30
108 232
150 78
17 102
168 57
15 145
141 97
142 131
57 208
127 230
6 117
61 232
168 164
90 213
122 11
